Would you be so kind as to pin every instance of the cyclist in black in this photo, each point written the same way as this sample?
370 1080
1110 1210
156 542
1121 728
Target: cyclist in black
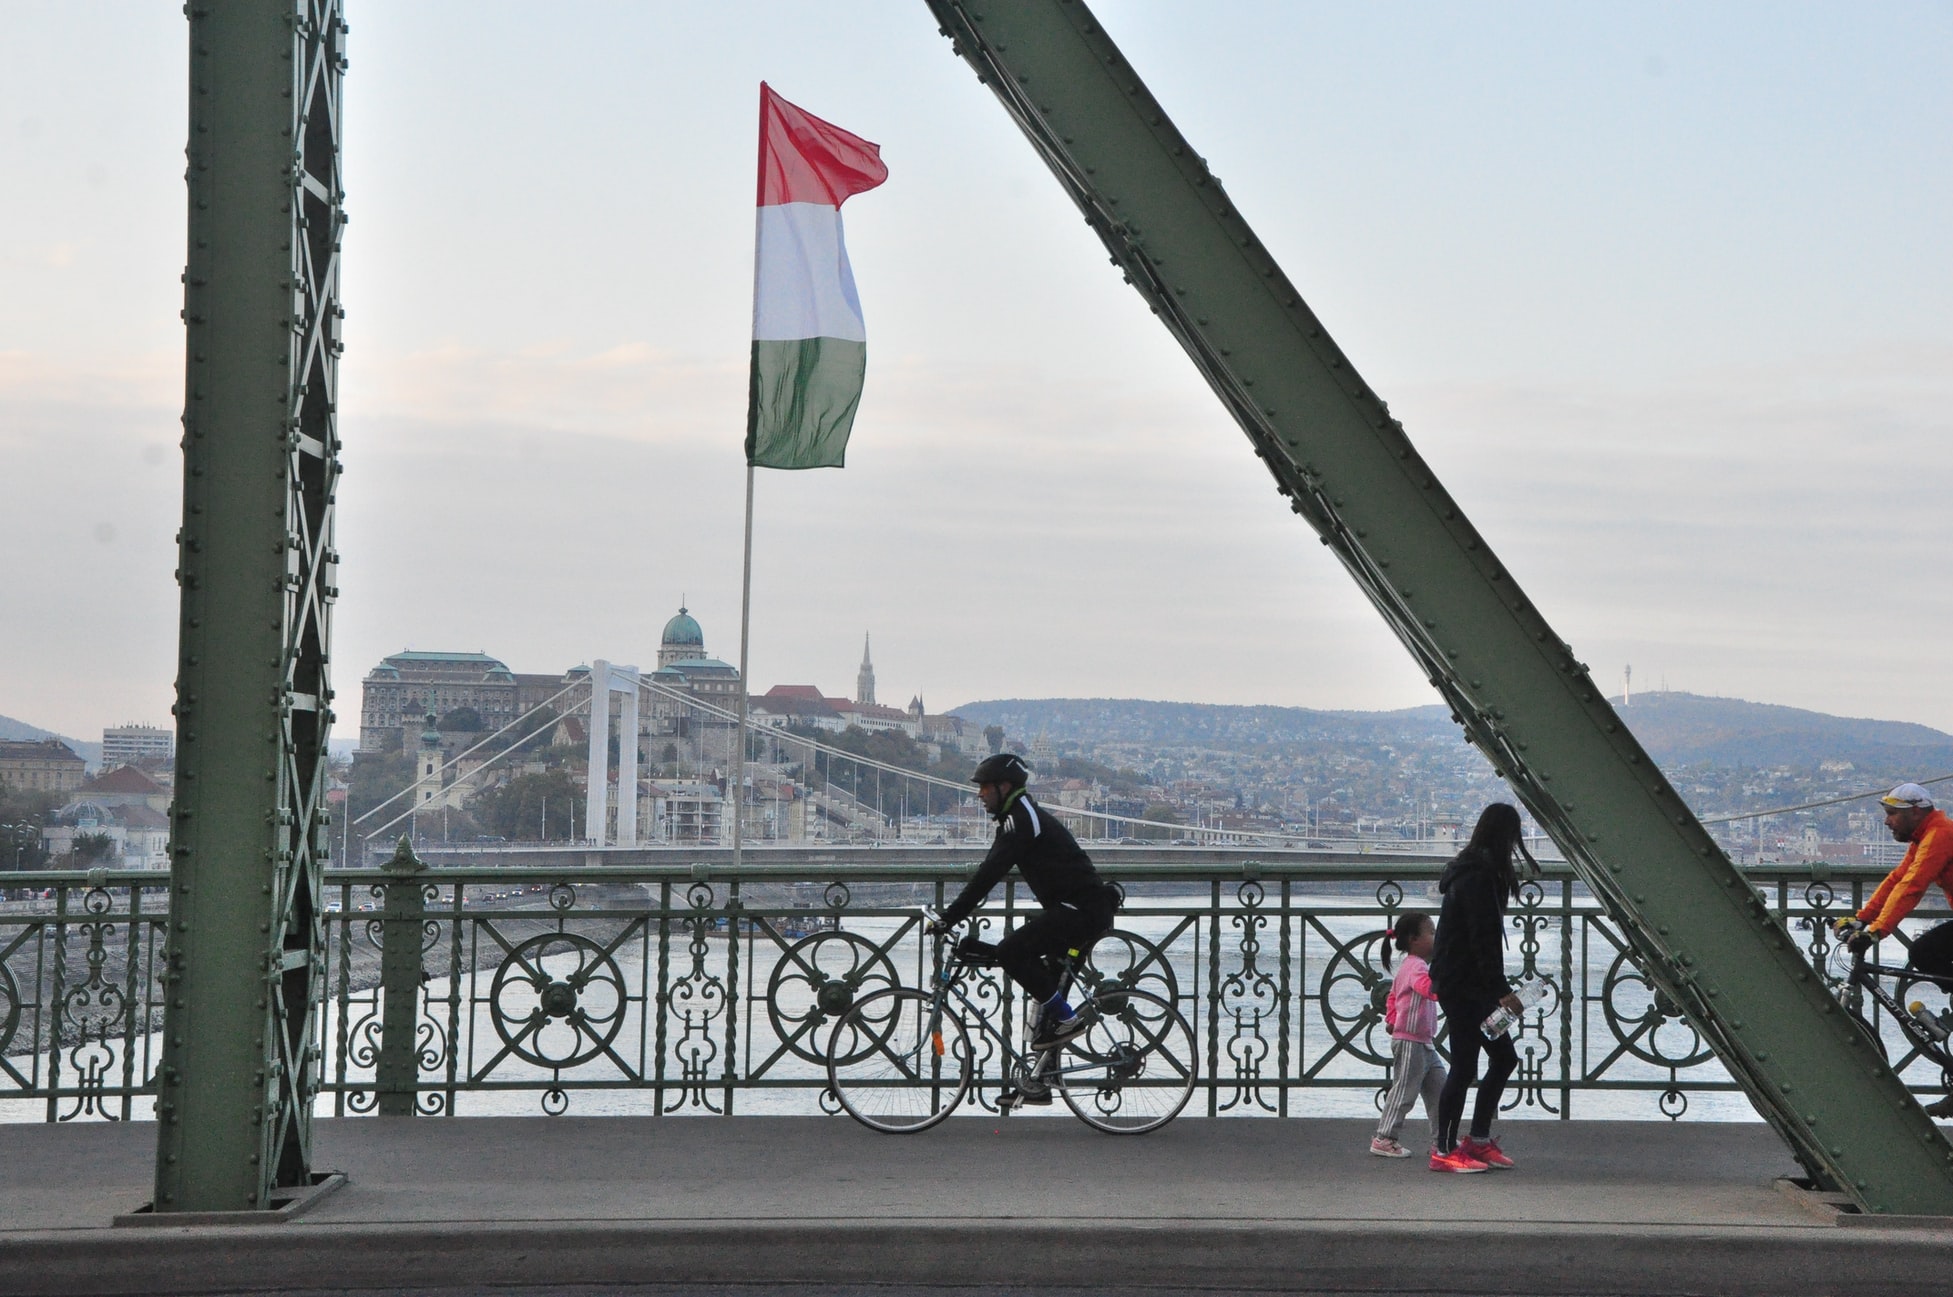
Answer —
1078 904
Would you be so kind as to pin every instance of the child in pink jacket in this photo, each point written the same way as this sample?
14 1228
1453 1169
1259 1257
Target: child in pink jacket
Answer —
1411 1013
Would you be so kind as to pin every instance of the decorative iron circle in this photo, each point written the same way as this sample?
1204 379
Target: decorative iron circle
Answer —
1531 894
1820 895
820 977
837 896
555 1101
1390 893
1647 1023
1251 893
562 896
558 1000
1673 1104
97 901
1353 994
830 1102
1133 963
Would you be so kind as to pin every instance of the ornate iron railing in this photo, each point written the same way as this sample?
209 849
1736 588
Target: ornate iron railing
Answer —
695 990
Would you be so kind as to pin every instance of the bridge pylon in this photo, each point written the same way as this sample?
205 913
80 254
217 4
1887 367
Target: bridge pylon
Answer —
607 680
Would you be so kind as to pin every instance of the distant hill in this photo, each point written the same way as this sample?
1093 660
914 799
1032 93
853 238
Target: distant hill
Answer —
12 730
1134 720
1689 729
1678 729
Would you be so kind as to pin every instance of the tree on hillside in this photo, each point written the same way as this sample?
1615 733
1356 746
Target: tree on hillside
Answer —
1157 811
375 777
90 848
462 720
892 795
994 736
23 813
527 806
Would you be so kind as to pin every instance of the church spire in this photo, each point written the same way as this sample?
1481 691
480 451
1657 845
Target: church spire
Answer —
864 683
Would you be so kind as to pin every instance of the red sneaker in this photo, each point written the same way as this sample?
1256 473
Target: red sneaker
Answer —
1455 1161
1486 1151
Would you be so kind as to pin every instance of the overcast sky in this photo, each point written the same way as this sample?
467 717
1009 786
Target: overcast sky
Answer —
1663 291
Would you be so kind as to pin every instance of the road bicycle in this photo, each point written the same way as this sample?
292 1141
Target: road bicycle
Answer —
1857 977
901 1060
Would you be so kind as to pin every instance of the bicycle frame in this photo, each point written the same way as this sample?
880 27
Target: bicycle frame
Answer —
1865 977
950 974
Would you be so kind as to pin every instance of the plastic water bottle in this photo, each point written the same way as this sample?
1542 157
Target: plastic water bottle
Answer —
1529 992
1935 1026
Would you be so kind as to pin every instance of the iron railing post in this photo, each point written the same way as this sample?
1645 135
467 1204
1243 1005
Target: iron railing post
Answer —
397 1077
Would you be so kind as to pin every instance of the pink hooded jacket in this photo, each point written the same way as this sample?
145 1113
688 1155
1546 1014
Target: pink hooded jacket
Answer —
1411 1011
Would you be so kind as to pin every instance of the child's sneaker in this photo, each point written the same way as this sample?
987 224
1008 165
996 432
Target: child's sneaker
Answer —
1381 1147
1455 1161
1486 1151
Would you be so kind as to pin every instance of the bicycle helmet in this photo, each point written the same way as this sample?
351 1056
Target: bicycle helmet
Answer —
1003 768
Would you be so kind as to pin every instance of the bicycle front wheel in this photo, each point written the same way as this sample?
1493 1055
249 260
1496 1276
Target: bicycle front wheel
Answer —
1133 1069
891 1070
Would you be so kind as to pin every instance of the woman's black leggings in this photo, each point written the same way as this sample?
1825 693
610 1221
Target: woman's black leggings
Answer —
1466 1041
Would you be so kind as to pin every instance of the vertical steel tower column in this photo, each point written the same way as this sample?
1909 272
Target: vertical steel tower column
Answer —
260 454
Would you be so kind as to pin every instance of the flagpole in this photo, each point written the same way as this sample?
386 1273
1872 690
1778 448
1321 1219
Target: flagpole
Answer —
745 628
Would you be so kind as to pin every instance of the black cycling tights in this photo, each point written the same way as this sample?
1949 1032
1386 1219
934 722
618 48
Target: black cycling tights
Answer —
1932 952
1466 1042
1051 932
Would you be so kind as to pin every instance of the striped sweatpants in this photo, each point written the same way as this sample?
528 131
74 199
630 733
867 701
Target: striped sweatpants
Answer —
1416 1070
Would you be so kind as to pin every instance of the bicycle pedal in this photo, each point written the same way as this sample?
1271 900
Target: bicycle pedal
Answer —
1011 1100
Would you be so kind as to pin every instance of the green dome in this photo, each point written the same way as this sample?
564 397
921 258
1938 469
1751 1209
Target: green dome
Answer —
682 630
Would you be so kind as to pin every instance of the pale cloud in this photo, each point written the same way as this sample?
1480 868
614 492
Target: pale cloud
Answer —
1681 355
629 390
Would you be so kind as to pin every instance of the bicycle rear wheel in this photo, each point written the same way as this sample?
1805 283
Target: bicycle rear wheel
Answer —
889 1070
1133 1069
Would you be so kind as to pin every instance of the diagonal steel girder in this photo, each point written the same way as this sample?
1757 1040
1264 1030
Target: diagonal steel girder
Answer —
256 567
1695 926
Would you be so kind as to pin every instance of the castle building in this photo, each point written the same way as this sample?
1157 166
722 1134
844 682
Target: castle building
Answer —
405 687
685 672
47 766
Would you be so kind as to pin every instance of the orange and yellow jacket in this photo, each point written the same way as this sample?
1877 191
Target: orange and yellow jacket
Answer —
1928 860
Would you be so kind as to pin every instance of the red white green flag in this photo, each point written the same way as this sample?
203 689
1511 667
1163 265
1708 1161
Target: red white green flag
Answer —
810 349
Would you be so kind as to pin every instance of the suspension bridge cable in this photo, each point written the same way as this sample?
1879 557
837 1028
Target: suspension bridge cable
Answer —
459 755
1811 806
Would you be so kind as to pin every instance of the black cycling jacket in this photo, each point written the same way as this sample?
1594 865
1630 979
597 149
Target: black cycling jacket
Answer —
1046 855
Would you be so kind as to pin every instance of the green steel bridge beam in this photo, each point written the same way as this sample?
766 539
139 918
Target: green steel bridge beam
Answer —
1522 696
256 569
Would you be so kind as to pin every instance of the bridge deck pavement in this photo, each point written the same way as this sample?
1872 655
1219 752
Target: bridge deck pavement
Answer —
467 1204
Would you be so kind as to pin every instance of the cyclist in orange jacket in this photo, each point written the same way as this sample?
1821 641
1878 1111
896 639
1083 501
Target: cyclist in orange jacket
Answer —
1928 833
1912 819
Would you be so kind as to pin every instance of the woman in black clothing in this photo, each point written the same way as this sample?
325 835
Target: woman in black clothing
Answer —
1468 972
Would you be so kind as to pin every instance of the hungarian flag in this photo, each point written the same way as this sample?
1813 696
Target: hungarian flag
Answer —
810 349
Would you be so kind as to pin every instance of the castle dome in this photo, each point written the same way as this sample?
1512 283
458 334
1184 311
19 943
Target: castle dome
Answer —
682 631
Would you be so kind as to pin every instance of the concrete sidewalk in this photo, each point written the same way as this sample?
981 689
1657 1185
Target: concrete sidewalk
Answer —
1595 1207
